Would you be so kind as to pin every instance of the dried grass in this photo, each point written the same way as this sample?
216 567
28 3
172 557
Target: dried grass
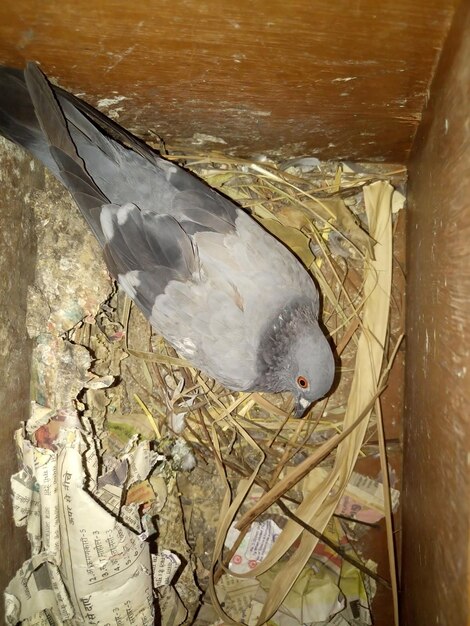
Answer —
339 224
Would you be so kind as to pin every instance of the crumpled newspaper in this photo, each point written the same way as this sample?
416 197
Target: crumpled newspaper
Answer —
87 566
330 590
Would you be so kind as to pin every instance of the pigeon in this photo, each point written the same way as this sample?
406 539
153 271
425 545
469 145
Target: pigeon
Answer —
227 295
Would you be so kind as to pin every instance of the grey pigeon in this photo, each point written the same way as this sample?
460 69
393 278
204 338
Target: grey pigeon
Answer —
226 294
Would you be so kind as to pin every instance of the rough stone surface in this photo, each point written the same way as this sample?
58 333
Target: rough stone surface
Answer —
18 175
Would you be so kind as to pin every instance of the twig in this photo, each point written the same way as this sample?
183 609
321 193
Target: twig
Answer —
331 544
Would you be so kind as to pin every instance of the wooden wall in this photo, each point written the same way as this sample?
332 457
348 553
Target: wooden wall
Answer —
436 508
343 78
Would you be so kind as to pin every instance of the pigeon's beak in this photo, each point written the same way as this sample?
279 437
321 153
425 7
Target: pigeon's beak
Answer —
301 406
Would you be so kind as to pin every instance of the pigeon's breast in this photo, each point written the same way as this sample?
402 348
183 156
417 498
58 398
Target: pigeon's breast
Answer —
217 318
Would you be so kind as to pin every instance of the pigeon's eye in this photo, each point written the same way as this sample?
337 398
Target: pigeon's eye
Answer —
302 382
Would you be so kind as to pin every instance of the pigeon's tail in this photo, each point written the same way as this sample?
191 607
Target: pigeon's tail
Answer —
18 121
30 115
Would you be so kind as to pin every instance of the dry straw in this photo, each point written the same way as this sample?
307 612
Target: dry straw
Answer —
340 225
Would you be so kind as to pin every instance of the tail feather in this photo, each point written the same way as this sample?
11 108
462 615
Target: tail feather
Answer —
70 103
18 121
39 116
48 112
31 116
90 155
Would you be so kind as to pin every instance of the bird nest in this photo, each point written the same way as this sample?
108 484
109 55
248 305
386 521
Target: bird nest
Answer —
338 219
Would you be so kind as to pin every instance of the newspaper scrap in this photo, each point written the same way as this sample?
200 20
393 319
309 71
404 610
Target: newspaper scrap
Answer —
236 596
363 497
171 609
357 590
165 565
255 545
86 565
243 601
332 591
329 591
315 597
318 598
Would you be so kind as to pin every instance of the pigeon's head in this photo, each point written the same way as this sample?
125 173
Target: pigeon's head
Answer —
294 355
311 368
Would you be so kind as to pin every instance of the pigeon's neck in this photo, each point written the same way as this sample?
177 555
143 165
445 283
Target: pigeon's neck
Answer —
284 329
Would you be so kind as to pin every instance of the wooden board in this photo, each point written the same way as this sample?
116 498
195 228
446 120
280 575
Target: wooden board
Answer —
436 508
338 79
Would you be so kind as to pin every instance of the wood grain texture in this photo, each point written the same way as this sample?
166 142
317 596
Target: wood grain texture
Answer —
437 431
339 79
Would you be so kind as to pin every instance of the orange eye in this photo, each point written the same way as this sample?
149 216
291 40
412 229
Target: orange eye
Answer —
302 382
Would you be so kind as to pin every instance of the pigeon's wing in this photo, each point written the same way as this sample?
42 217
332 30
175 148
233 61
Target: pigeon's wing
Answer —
30 116
193 202
201 314
84 157
203 209
157 264
144 252
139 176
112 128
56 120
62 149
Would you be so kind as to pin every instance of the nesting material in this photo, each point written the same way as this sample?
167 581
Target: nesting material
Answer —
263 473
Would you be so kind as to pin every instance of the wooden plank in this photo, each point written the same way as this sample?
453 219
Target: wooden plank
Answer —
337 79
436 507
